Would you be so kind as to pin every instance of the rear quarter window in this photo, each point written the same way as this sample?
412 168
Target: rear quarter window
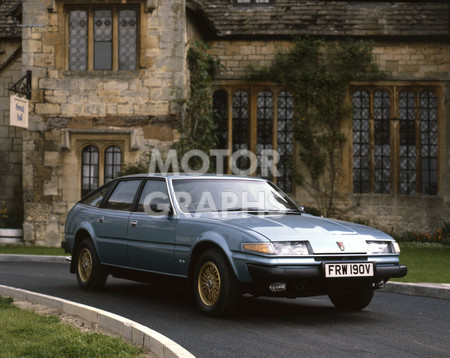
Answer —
122 197
96 198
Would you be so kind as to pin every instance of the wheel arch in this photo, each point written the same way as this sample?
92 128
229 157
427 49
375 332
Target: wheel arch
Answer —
81 234
203 246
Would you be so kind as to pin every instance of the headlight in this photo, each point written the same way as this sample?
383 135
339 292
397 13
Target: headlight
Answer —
378 247
289 248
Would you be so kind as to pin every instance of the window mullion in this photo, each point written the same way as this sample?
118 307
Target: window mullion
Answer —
418 147
395 135
101 166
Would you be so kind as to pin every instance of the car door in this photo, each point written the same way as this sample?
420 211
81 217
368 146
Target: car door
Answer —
112 223
151 232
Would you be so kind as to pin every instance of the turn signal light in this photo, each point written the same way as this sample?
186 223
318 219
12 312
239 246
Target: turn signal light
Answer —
259 248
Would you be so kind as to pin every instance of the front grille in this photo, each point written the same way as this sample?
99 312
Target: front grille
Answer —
340 258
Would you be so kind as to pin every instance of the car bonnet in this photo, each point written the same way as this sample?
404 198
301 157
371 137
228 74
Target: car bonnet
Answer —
323 234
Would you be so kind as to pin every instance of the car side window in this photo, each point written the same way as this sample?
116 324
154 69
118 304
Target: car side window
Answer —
96 198
123 195
154 199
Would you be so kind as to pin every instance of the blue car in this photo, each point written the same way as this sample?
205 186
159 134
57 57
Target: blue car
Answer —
223 237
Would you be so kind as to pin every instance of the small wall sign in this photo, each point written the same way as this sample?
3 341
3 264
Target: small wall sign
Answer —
18 111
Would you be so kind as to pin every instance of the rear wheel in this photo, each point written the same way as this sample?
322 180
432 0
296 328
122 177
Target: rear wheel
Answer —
216 290
352 301
89 271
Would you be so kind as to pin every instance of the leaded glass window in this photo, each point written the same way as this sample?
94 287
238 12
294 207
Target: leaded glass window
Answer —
361 141
285 140
220 105
254 118
127 39
78 31
264 117
396 155
113 162
407 143
103 40
113 33
240 126
429 142
382 138
89 169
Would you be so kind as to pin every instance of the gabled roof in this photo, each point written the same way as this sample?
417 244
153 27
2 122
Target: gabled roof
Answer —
8 23
285 18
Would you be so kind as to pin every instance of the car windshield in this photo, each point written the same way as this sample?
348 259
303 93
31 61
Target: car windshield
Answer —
222 195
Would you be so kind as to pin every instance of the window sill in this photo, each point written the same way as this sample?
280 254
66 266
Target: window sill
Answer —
121 74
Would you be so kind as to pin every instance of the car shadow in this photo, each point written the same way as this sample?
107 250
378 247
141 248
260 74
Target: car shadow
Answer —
160 299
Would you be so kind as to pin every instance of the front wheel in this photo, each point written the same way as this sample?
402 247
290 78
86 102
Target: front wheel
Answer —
216 290
90 273
352 301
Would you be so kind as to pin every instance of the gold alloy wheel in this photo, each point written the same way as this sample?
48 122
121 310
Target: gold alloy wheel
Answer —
209 283
85 265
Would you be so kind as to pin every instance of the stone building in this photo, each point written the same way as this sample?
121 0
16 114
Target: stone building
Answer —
104 72
10 137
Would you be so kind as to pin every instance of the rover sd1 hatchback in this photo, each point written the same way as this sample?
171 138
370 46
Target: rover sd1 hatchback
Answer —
222 237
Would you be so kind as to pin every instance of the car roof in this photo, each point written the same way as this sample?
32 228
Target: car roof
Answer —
188 176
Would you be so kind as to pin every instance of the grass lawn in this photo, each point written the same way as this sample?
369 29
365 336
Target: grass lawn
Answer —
426 262
31 250
24 333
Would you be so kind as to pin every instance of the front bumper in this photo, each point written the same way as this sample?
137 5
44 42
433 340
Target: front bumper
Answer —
310 280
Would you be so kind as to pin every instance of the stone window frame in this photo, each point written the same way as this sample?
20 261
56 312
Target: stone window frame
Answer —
394 91
226 131
89 169
253 3
105 5
101 164
101 161
113 162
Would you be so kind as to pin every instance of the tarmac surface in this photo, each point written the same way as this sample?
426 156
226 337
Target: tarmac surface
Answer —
155 342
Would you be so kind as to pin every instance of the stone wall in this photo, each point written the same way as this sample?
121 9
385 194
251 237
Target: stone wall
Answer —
10 137
134 108
72 109
411 63
425 61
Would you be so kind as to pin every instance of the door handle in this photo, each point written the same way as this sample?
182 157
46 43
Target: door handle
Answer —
133 223
101 219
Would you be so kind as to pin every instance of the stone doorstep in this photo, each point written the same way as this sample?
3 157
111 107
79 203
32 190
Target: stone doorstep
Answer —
11 236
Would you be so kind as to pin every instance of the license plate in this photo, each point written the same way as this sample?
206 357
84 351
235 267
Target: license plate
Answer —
349 269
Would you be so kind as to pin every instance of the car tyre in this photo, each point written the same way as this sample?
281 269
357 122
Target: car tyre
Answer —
216 290
352 301
90 273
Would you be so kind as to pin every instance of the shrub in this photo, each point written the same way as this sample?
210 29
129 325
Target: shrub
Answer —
440 236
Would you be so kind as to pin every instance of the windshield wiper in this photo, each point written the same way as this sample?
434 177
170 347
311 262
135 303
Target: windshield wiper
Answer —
240 209
275 212
263 211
